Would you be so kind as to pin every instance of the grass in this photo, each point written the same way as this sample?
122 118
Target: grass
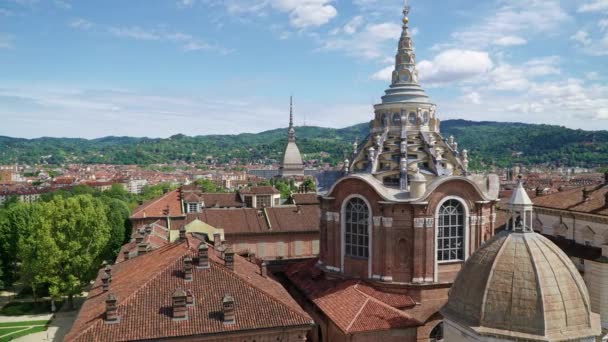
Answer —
22 333
11 330
28 308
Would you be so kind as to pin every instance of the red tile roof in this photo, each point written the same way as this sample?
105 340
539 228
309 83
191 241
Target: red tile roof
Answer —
305 199
230 200
157 207
144 285
259 190
354 305
573 200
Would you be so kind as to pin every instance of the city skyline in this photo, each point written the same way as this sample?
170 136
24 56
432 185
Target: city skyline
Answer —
208 67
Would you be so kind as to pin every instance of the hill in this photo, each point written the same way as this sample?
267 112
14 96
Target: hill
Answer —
489 143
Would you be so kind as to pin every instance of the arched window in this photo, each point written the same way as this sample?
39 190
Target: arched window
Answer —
356 235
412 118
425 117
450 231
437 333
396 119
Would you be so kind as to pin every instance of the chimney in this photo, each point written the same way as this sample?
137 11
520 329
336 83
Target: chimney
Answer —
182 233
180 310
586 193
126 254
299 209
108 271
111 310
228 309
203 256
139 238
105 282
189 298
229 258
142 248
188 268
264 269
539 191
217 240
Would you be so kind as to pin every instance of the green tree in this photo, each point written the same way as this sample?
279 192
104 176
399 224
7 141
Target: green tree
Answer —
207 185
308 185
118 216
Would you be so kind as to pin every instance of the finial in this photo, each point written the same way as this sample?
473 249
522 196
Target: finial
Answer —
290 111
406 11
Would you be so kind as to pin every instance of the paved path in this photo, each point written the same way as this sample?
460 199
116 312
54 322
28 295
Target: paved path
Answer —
24 318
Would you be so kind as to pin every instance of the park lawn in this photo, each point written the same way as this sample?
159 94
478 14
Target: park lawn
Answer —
23 323
19 329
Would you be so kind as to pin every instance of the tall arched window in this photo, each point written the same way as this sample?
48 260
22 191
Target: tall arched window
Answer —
450 231
356 235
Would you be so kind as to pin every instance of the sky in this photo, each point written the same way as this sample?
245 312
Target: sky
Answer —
79 68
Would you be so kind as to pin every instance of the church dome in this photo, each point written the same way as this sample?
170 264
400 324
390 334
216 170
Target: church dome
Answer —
292 155
521 286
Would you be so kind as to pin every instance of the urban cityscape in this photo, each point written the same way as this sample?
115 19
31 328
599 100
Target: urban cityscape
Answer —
468 201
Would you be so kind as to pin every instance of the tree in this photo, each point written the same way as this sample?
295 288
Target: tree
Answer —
308 185
118 215
207 185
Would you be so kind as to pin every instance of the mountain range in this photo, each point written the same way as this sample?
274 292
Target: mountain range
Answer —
497 144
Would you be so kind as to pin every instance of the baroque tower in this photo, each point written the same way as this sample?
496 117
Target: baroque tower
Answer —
401 222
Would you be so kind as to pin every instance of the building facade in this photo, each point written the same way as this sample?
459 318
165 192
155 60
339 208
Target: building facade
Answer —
397 228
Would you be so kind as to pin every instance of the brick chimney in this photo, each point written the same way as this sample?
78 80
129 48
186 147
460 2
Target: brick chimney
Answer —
228 309
111 310
229 258
188 268
189 298
182 233
108 270
264 269
203 256
126 254
539 191
180 310
586 194
217 240
139 238
142 248
105 282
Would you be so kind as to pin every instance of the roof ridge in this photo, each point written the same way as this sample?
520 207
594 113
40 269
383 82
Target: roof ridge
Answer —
235 274
378 301
132 294
146 204
357 315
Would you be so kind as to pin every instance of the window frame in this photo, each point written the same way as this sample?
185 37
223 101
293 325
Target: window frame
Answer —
455 230
356 233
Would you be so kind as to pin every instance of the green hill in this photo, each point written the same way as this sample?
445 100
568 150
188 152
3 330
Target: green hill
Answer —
489 143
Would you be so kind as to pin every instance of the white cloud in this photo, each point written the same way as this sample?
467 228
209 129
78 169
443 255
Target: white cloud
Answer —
592 76
369 42
384 74
302 13
353 25
82 24
603 24
454 65
509 41
512 20
594 6
602 114
185 41
473 98
6 41
582 37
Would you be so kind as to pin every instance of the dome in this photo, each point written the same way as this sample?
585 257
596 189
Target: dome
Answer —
520 285
292 157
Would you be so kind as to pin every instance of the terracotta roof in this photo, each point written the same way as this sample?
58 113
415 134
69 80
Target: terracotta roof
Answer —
230 200
355 305
158 206
191 197
250 220
259 190
144 285
573 200
304 199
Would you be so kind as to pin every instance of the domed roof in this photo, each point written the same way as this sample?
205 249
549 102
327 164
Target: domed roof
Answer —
292 155
520 285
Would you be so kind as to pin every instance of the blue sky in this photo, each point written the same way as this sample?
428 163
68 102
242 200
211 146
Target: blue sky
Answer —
155 68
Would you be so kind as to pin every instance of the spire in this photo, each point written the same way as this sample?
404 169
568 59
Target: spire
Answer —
291 131
404 85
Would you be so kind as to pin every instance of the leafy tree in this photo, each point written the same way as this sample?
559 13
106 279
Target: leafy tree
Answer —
308 185
118 215
207 185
